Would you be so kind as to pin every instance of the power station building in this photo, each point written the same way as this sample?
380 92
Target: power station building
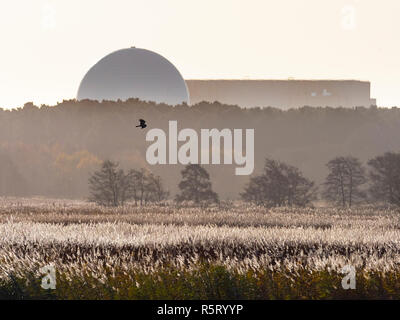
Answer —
282 94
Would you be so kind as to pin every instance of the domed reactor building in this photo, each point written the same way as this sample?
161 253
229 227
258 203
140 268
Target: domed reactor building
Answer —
134 73
146 75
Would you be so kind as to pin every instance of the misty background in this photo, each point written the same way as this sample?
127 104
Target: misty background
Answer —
51 151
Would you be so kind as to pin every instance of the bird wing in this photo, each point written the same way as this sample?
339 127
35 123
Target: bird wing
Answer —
142 121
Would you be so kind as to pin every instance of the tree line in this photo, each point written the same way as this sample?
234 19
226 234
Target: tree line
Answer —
37 157
112 186
348 183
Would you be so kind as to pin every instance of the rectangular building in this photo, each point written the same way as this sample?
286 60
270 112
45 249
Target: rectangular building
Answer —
282 94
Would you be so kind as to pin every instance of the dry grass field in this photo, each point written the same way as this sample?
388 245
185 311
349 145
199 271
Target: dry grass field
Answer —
234 251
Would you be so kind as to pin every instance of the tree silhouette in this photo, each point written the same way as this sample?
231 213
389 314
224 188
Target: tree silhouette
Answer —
196 186
157 189
342 185
279 185
109 186
385 178
140 180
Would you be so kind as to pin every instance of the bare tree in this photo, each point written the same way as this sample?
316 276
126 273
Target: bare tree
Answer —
144 187
133 185
109 186
156 189
141 184
196 186
279 185
385 178
343 183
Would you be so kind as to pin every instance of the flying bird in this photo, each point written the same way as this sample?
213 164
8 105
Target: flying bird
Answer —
142 124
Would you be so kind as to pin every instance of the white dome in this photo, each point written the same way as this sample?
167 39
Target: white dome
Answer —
134 73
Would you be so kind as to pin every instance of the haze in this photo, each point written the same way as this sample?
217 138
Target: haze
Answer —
48 46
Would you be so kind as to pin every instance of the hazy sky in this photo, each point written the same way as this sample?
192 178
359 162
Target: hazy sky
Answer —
47 46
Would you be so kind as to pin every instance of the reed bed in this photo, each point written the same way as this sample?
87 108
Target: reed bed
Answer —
118 248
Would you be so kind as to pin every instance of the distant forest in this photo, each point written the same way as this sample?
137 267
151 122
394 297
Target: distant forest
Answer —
52 150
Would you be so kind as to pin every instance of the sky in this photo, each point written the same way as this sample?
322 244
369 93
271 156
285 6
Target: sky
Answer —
47 46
